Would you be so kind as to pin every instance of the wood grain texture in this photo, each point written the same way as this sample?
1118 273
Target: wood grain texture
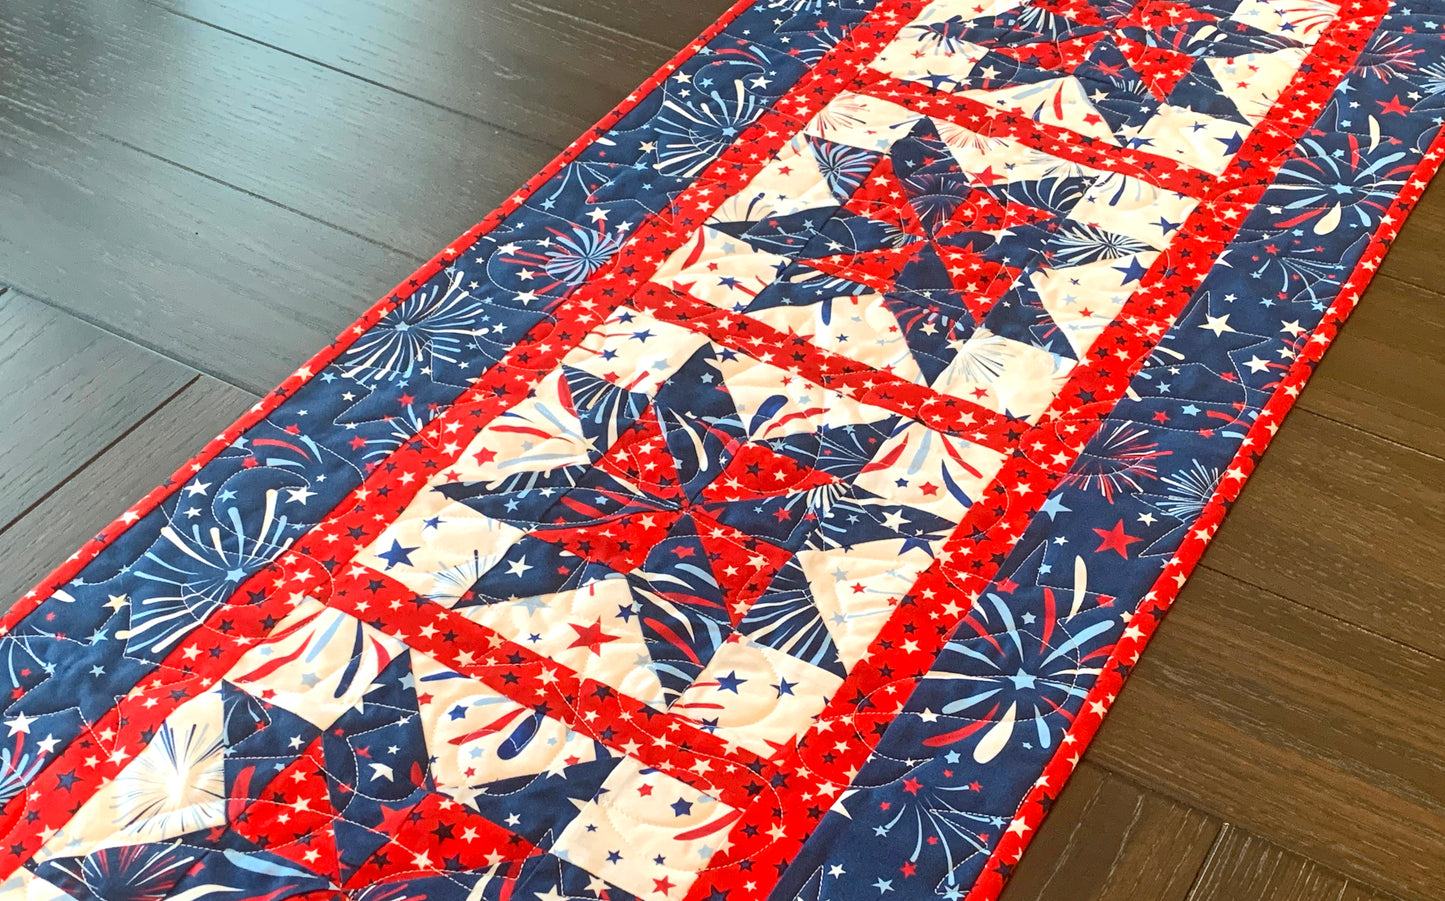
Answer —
488 64
406 174
87 498
70 390
1347 524
1415 257
1386 373
1108 840
1244 866
174 261
667 23
1297 726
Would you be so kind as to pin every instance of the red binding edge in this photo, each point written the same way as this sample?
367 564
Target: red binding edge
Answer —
1035 805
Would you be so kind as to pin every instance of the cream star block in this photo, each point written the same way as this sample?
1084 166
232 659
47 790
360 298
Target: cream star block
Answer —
646 833
439 548
1061 102
861 120
918 54
979 156
1004 375
23 885
856 589
541 434
791 183
945 474
921 50
175 785
1254 81
1124 205
860 328
774 403
476 736
317 663
725 271
759 698
1083 300
1300 20
1193 139
634 351
592 631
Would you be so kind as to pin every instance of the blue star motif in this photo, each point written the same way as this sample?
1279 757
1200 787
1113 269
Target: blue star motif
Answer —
397 554
1133 272
1231 145
730 682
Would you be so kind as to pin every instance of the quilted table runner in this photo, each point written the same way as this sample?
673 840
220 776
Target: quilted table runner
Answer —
767 502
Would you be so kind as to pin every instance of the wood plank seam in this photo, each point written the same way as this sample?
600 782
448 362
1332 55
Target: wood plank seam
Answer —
362 78
5 527
412 257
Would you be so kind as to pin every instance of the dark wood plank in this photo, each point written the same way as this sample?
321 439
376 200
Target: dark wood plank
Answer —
665 22
90 498
222 281
1108 840
1345 523
531 67
1415 257
1246 866
407 174
70 389
1385 374
1296 726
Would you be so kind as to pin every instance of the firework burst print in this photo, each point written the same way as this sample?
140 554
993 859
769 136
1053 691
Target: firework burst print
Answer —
766 504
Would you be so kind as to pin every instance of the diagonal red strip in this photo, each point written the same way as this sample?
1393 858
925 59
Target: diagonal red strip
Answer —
1000 123
664 741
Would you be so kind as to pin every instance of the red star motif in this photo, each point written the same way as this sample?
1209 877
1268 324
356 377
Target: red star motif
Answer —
986 177
591 637
1393 105
1115 540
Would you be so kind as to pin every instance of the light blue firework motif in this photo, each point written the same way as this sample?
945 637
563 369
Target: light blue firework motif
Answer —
649 498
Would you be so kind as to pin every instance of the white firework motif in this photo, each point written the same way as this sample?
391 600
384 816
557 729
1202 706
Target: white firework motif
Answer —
208 570
552 266
1077 244
844 167
132 872
177 785
1387 56
1189 491
983 145
1120 459
16 771
1434 83
1330 186
982 358
813 7
692 137
439 321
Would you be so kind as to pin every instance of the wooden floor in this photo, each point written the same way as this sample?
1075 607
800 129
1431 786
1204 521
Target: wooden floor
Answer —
195 195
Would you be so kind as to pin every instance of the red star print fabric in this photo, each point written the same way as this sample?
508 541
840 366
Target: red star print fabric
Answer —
767 502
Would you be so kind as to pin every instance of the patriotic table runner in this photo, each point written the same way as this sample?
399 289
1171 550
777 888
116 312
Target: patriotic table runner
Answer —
767 502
